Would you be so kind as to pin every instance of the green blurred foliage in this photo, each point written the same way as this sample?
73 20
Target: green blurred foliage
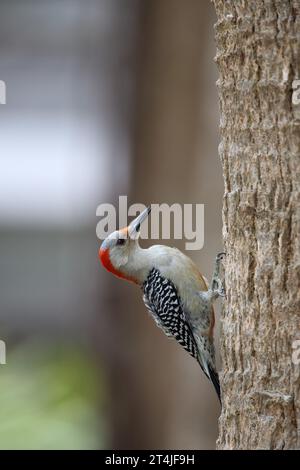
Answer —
49 399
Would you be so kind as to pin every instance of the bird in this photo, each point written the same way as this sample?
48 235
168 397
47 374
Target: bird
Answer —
175 292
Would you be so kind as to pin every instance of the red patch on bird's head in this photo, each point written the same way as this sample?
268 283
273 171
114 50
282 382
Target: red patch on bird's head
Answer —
105 259
106 262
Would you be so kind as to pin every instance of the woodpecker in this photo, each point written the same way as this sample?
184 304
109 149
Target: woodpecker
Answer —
174 291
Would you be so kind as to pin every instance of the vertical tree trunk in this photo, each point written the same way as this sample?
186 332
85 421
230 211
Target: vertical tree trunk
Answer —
258 46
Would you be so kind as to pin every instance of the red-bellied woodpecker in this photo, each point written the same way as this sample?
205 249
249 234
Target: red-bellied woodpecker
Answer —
174 291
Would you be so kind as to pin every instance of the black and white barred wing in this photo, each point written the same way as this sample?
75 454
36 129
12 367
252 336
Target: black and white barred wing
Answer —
162 300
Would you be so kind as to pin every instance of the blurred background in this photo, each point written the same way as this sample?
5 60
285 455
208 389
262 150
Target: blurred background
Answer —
104 98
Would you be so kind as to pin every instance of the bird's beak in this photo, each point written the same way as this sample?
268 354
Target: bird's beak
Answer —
134 229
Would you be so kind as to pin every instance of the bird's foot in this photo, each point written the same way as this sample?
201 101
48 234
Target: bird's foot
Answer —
218 288
217 285
220 256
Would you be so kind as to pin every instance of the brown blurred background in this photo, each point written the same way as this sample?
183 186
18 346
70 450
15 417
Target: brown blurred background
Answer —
104 98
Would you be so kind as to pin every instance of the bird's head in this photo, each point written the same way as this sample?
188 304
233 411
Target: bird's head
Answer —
118 248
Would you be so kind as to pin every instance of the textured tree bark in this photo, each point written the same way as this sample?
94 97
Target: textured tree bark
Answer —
258 47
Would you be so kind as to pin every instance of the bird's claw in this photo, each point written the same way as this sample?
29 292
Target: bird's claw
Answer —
221 256
221 291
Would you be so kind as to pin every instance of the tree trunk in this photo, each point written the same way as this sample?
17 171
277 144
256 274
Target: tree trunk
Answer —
258 46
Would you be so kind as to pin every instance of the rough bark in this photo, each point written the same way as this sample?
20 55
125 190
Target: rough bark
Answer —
258 50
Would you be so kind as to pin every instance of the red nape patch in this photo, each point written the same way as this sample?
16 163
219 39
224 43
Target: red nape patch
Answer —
105 260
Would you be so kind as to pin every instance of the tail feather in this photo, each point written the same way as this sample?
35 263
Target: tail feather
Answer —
213 376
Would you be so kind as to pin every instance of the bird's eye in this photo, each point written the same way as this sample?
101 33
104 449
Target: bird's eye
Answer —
121 241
